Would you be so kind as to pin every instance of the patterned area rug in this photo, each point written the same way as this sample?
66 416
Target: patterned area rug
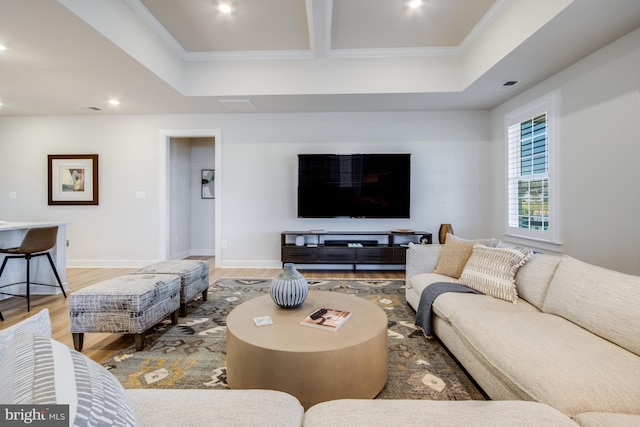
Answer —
191 355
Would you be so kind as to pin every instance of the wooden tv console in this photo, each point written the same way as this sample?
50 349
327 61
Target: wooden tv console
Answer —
349 247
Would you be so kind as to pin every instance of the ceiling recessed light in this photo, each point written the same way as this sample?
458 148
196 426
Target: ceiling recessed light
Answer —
114 102
224 8
413 4
2 47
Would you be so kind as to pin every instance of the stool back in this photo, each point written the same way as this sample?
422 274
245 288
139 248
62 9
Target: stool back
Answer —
39 240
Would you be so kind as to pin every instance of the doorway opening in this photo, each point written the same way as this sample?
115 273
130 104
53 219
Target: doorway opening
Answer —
190 221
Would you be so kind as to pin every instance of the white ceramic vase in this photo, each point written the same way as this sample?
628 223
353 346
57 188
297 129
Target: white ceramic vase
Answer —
289 288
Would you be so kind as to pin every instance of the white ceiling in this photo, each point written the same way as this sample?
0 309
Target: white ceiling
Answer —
169 56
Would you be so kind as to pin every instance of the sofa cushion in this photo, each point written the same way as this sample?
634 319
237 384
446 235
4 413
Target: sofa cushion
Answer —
492 271
415 285
216 408
548 359
604 419
421 259
48 372
533 278
353 412
421 281
448 304
602 301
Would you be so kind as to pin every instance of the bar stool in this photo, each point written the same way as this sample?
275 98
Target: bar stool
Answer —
36 242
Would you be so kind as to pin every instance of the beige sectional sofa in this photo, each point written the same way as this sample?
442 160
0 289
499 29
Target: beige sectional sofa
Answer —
571 340
532 356
35 369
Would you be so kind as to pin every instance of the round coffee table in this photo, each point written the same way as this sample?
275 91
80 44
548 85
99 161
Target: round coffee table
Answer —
311 364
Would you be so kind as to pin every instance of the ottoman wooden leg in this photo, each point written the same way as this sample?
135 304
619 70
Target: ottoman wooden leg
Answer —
174 318
183 309
204 294
139 339
78 341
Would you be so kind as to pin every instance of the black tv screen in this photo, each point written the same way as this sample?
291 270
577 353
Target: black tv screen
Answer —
354 185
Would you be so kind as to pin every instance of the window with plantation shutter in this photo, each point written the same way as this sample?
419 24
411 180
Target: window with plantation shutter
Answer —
530 173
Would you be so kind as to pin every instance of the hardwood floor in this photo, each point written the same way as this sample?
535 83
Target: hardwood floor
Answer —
100 346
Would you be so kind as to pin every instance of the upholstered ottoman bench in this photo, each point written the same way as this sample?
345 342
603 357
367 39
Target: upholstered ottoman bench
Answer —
194 276
128 304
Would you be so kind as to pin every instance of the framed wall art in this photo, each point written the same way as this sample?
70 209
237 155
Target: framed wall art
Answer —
208 176
73 179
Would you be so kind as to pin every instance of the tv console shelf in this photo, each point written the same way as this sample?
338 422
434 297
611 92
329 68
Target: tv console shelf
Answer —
349 247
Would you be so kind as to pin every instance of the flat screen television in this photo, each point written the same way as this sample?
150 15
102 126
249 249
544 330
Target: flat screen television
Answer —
354 185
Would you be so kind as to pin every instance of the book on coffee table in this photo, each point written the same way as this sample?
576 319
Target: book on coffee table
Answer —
328 319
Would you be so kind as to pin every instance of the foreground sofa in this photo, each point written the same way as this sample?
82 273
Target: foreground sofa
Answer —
35 369
569 338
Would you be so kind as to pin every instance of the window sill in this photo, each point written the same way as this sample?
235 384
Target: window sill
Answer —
534 243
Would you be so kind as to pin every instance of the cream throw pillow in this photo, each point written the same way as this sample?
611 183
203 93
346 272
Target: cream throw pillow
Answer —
492 271
454 256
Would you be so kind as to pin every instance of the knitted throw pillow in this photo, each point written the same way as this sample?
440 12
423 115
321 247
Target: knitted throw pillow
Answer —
492 271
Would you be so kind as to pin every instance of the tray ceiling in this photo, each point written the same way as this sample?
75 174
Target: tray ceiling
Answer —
168 56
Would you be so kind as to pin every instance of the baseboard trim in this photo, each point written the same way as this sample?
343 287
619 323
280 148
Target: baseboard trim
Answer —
109 263
249 264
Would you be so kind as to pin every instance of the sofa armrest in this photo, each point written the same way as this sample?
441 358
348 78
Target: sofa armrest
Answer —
421 259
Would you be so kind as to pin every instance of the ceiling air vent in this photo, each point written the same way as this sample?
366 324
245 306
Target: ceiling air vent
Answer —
238 104
507 85
90 107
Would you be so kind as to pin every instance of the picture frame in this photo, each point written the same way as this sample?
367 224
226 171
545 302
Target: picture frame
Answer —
72 179
207 184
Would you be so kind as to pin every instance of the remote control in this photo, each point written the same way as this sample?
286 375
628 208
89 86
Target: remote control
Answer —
318 313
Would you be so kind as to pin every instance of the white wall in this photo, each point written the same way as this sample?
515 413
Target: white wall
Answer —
600 153
450 168
451 164
457 169
122 230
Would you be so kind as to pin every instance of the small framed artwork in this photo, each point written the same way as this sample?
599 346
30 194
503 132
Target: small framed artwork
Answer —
73 179
208 175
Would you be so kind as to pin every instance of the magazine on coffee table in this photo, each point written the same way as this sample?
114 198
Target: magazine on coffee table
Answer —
328 319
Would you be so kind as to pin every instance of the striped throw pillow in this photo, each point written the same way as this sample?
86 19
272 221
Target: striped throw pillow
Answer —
48 372
492 271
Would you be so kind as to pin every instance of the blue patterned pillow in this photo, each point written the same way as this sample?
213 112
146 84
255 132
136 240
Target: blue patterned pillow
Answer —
48 372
